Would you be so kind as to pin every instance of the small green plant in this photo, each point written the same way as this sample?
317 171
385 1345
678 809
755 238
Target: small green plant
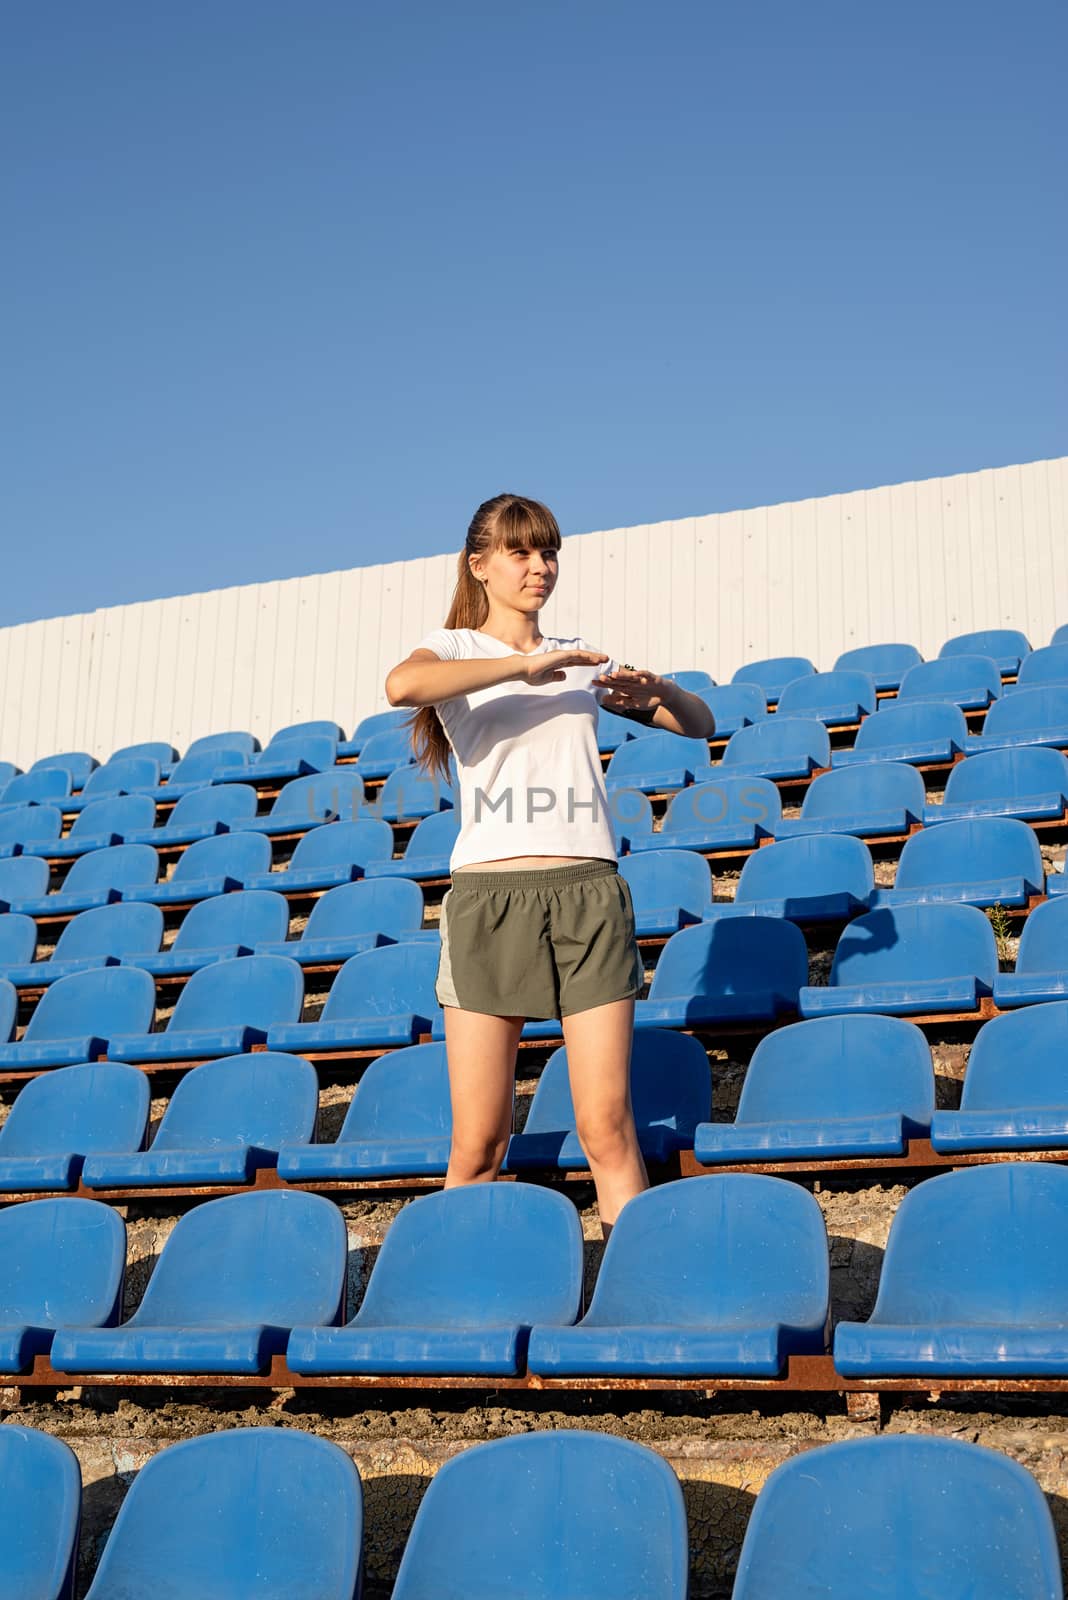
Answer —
999 921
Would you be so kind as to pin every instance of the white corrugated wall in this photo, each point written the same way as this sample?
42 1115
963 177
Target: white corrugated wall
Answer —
915 561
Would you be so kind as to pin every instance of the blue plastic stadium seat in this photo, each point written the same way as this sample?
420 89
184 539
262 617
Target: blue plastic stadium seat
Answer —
746 969
377 722
669 889
723 814
915 731
1008 646
269 1507
8 770
693 679
734 706
544 1516
236 741
332 854
315 728
887 663
109 821
461 1279
22 878
225 1120
353 918
99 938
1060 635
208 867
199 769
290 758
1042 960
76 1018
234 1277
28 830
384 751
774 674
18 939
658 761
970 682
974 1280
63 1116
907 961
148 749
306 802
885 797
224 1010
399 1124
96 879
1026 716
428 853
41 1489
409 794
79 763
1029 783
992 861
833 698
201 814
62 1264
1048 665
826 878
908 1515
49 786
217 930
726 1275
383 997
777 750
1003 1107
670 1087
827 1089
127 776
631 815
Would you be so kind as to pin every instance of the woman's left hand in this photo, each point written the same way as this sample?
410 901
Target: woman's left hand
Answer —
634 689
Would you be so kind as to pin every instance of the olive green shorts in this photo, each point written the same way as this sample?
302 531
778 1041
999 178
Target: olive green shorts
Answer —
540 942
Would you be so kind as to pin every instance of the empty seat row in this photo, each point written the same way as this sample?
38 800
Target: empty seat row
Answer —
229 1117
324 856
900 960
225 1008
826 1089
534 1516
407 795
830 877
343 922
725 1275
913 959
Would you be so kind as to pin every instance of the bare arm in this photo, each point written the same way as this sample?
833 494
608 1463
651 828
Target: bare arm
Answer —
423 679
658 702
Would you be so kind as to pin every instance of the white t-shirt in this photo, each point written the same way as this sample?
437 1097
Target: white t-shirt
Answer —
530 776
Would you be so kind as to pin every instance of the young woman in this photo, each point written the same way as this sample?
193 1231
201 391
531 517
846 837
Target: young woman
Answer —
538 922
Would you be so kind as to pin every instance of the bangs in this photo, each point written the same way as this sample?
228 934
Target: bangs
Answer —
525 524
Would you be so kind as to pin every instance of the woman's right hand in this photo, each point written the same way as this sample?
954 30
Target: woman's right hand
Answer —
549 668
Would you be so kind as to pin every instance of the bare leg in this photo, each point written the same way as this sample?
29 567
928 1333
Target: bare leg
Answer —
481 1052
598 1052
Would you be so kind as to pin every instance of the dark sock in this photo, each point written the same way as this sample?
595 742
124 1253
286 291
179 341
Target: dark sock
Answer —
606 1230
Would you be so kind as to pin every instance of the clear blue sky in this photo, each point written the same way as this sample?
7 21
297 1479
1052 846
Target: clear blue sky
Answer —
292 287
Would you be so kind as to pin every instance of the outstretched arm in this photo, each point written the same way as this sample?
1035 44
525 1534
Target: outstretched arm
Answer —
658 702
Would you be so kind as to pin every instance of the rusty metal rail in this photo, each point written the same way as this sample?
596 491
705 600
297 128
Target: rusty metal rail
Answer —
813 1374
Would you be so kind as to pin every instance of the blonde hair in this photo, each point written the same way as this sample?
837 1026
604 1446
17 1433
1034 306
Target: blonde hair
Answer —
507 522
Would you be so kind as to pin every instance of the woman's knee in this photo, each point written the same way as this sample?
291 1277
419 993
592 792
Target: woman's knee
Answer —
607 1135
474 1155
